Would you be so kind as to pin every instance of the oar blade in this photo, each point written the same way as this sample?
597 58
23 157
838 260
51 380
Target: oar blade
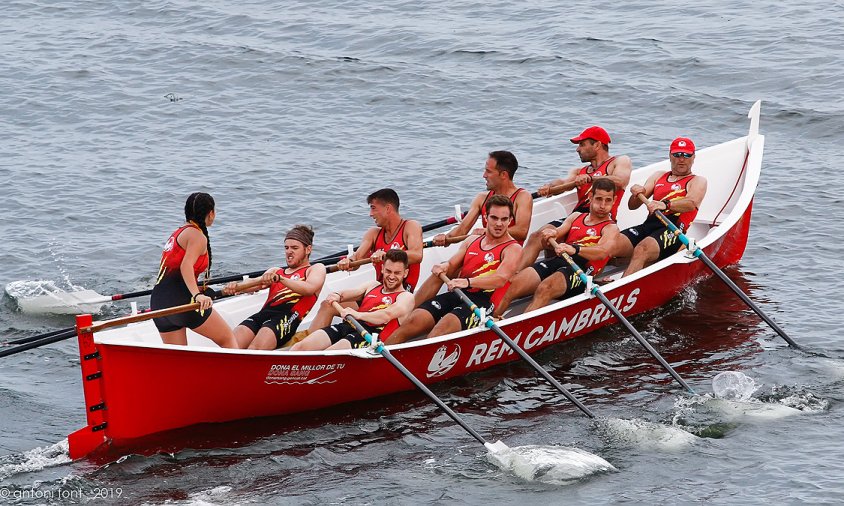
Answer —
555 465
44 297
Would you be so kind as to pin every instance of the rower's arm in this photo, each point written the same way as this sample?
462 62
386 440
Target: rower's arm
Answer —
311 285
413 241
454 263
633 202
367 244
400 310
524 211
694 196
602 249
619 171
195 245
356 293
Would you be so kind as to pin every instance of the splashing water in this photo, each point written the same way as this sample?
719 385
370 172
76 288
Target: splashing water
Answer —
733 385
34 460
45 296
555 465
642 433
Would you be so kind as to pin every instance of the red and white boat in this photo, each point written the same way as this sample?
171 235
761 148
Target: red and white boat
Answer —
135 386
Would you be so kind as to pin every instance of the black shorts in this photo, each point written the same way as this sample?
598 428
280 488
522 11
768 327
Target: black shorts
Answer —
582 209
666 240
172 291
345 330
450 302
281 321
574 285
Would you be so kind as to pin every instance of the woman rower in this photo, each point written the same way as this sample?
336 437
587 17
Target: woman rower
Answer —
186 255
293 292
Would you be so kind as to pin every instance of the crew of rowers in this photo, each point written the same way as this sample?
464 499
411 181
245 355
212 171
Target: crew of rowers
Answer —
493 266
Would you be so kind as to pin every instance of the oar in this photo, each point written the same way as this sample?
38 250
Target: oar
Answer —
698 253
614 310
426 244
379 347
518 349
555 190
552 464
146 315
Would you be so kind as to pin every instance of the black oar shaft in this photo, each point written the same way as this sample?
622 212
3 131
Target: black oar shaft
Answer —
624 321
29 339
521 352
413 379
698 252
37 343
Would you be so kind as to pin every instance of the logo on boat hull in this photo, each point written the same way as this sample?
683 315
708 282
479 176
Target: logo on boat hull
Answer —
301 374
443 361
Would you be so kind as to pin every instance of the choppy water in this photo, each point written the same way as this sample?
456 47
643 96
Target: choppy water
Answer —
112 112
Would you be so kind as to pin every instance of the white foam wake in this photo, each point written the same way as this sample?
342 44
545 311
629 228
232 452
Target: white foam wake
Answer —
645 434
35 459
555 465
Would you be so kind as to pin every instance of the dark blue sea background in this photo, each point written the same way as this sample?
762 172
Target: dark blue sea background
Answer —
112 112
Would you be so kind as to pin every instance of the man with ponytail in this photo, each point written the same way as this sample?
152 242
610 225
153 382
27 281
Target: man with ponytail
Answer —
293 292
186 254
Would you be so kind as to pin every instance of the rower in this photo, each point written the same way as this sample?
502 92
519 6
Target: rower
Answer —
485 263
186 254
678 194
583 236
383 306
391 231
593 148
293 291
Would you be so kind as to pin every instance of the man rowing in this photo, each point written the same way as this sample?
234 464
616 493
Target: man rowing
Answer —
499 170
485 263
593 148
382 306
391 231
678 194
583 236
293 292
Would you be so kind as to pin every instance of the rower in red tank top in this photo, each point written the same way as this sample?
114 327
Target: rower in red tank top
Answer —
174 253
292 294
397 242
678 194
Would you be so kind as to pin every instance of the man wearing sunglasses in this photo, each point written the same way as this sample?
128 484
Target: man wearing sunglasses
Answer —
678 194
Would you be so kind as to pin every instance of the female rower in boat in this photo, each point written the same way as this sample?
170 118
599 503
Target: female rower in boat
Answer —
293 292
186 255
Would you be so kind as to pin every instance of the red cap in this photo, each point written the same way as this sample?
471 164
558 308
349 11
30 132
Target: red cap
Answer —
682 145
594 132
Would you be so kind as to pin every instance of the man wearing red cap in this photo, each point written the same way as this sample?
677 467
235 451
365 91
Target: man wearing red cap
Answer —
593 148
678 194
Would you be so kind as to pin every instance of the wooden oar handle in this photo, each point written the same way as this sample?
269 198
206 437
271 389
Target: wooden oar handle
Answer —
558 189
448 240
353 263
125 320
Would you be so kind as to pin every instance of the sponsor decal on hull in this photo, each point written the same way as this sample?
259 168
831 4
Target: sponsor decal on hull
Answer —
302 374
587 318
443 360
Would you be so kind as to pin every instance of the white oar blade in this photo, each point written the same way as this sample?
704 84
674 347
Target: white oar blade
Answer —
733 392
556 465
42 297
645 434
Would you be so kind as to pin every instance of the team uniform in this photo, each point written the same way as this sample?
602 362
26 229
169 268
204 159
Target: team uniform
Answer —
373 300
284 309
652 227
381 244
583 235
583 191
170 289
478 262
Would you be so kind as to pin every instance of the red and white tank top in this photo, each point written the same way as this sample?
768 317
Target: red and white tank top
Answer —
585 190
376 299
588 235
174 253
512 199
479 262
674 190
281 295
381 244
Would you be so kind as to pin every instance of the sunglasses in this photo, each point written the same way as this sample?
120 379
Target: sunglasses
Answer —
682 155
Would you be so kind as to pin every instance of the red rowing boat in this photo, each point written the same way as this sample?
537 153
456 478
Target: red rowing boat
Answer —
135 386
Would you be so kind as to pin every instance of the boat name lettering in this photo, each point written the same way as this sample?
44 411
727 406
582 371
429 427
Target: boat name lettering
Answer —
539 335
285 374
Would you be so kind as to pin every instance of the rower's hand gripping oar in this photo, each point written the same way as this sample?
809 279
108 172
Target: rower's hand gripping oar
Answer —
614 310
489 323
698 253
378 346
555 190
